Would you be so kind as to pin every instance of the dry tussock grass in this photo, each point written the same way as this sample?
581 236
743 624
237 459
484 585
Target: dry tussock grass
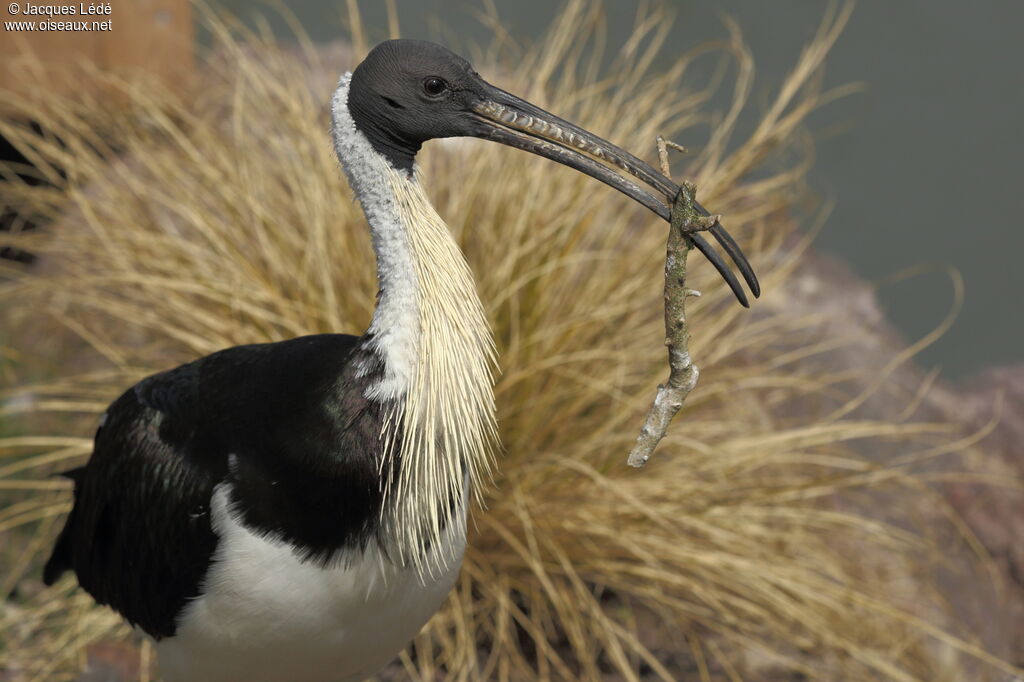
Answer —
218 217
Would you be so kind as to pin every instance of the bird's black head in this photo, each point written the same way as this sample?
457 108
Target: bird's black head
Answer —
409 91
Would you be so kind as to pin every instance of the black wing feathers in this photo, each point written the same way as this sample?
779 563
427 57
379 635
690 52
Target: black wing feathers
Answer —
139 536
303 441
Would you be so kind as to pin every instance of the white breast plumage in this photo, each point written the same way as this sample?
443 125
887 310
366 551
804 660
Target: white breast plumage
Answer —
264 616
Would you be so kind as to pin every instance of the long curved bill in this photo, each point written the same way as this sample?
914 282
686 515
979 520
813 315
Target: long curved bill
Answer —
515 122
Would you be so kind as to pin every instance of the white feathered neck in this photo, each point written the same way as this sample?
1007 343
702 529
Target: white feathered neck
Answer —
430 328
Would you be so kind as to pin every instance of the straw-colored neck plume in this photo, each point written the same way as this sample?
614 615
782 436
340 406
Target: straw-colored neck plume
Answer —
431 332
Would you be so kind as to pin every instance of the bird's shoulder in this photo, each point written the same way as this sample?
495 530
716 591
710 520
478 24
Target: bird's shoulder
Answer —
246 378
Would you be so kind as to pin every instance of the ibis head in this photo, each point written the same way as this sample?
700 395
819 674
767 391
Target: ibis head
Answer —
409 91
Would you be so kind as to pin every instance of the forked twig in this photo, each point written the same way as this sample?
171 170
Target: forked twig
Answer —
683 374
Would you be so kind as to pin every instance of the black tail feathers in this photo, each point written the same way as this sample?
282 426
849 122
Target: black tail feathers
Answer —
60 559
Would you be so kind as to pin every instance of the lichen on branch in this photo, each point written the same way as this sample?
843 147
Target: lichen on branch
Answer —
683 373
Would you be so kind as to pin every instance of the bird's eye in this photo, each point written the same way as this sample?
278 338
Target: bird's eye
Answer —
434 86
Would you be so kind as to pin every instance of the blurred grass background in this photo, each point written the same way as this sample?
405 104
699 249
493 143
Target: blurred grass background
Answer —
789 528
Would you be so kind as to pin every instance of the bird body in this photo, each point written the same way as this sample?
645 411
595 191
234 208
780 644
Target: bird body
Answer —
241 572
297 510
